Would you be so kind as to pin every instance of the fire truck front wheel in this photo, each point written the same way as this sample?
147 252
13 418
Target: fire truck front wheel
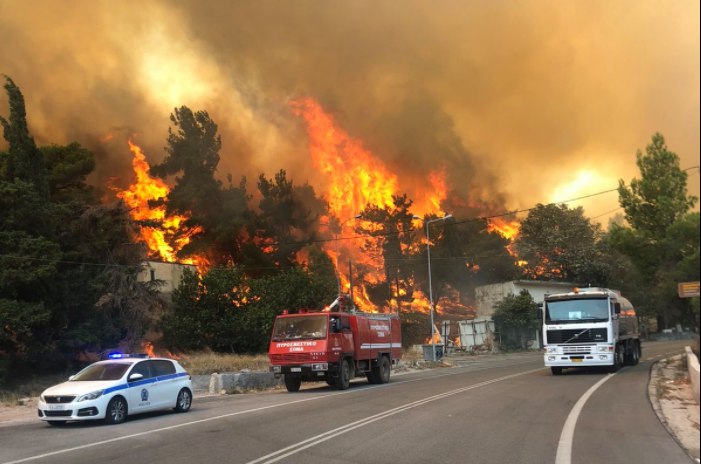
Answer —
343 379
292 382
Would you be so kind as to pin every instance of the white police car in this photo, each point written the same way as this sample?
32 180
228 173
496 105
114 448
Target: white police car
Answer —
117 387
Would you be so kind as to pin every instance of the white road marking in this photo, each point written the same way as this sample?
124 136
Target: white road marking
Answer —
315 440
564 447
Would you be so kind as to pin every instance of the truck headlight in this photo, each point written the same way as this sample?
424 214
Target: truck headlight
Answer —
604 348
551 349
320 367
90 396
277 369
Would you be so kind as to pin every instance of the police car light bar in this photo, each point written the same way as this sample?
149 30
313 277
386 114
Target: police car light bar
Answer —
117 355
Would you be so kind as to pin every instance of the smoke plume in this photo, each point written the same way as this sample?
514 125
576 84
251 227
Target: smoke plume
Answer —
517 102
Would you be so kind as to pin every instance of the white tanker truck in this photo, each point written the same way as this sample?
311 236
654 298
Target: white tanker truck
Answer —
589 327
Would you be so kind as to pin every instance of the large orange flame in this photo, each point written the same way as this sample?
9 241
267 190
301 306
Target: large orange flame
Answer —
355 178
508 230
160 237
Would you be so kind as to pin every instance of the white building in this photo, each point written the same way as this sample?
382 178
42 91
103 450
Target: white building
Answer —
487 296
169 274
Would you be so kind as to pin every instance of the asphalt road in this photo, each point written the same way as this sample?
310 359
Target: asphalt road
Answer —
495 409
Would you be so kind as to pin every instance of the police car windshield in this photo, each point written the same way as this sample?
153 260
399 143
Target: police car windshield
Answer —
102 371
301 327
572 311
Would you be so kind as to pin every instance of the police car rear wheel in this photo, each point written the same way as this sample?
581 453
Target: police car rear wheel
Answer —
116 410
184 401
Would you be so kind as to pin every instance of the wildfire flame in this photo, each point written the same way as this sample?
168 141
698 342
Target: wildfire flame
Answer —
508 230
159 234
355 178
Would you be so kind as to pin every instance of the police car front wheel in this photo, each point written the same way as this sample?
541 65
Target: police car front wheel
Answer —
116 410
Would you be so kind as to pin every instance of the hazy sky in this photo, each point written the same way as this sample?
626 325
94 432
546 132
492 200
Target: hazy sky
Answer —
521 102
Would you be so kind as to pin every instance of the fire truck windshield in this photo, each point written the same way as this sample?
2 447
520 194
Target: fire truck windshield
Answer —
301 327
572 311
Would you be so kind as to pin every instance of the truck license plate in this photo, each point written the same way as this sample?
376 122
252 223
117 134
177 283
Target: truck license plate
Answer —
296 369
576 360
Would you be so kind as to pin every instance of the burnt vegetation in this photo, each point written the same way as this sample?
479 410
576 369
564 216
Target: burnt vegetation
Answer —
69 261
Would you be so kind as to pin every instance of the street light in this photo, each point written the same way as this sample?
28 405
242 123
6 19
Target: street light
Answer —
430 286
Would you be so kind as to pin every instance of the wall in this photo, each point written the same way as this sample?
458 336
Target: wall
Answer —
692 362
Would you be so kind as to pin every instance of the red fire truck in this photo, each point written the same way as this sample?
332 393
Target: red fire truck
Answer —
334 346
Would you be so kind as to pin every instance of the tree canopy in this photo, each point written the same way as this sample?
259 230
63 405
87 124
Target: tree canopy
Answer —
559 243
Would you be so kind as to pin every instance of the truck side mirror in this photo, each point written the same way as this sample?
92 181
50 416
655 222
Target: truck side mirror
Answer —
617 308
335 325
539 311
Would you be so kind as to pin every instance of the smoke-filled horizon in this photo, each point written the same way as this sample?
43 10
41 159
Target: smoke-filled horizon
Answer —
517 102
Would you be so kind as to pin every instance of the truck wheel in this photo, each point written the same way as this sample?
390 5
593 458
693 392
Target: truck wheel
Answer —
292 383
635 357
618 358
343 379
630 353
556 370
380 372
384 370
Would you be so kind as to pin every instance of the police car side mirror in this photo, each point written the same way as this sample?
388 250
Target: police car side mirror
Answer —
135 376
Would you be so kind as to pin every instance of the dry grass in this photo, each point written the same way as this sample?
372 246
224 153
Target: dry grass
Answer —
19 395
205 363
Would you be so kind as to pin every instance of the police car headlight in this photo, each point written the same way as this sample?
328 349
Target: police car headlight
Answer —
90 396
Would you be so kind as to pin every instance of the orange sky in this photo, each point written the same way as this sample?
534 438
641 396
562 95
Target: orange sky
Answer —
518 102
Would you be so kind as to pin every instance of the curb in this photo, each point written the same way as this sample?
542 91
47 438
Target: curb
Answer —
653 397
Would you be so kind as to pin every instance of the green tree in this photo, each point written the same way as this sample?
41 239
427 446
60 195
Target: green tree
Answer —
217 216
659 197
655 207
559 243
24 160
515 318
288 217
226 311
55 242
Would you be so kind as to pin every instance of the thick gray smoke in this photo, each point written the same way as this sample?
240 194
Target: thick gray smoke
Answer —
519 102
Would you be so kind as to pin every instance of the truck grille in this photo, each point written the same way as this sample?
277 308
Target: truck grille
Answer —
586 349
568 336
290 357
